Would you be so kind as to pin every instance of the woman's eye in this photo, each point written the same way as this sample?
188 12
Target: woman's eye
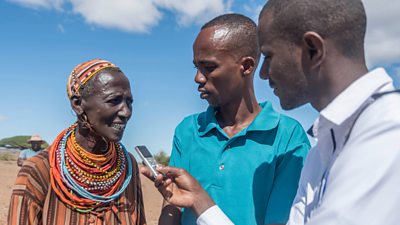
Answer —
129 102
115 101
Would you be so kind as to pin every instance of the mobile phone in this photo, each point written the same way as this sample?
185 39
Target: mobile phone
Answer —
147 158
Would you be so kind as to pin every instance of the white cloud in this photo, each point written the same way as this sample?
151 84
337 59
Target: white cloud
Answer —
383 32
127 15
3 118
134 15
195 11
36 4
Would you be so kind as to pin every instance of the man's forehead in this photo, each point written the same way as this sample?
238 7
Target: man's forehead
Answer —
211 39
222 34
265 32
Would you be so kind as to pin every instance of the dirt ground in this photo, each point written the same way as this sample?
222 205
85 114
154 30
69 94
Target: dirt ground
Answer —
9 170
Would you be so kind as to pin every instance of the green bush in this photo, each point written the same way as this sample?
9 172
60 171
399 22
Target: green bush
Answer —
162 158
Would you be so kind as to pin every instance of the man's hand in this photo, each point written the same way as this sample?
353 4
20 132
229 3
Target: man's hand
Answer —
20 161
181 189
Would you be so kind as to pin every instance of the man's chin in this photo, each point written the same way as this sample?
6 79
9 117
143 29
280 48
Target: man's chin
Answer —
291 105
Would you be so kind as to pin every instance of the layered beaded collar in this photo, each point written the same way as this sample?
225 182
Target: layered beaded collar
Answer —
84 180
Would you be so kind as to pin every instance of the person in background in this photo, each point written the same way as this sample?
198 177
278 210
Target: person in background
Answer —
245 155
314 53
36 142
86 176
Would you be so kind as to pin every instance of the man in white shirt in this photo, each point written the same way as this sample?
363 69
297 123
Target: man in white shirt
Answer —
314 53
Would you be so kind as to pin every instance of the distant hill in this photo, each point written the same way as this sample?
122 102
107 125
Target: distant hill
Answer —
18 142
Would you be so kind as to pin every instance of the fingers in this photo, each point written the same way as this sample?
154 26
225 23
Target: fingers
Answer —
159 180
170 171
164 186
146 172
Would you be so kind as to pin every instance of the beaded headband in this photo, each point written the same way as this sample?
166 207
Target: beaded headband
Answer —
83 72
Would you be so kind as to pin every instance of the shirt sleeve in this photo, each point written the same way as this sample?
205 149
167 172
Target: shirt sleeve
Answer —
29 193
213 216
287 176
175 159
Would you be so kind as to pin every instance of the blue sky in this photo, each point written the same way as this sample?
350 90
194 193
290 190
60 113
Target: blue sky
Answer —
151 41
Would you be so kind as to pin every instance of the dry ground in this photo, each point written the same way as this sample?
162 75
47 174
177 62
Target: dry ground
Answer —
9 170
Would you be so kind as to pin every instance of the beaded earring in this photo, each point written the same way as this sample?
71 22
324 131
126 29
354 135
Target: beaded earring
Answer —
84 121
86 125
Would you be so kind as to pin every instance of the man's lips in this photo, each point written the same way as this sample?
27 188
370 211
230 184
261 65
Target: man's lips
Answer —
203 93
273 86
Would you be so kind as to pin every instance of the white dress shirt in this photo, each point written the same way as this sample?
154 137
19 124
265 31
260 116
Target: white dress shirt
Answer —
353 182
358 181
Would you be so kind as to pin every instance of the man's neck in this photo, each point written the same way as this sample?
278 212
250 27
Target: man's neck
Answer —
336 81
235 117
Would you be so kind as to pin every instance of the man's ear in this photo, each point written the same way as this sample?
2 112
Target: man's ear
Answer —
248 65
76 104
314 49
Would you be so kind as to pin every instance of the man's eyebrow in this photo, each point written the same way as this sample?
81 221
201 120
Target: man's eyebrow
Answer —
202 62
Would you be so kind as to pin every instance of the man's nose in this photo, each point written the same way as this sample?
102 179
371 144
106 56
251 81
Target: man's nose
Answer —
264 71
200 78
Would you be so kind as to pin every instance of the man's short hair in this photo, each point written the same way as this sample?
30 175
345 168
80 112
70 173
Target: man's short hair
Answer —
243 41
343 21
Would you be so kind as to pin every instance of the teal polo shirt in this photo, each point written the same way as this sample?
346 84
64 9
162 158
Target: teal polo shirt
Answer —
251 176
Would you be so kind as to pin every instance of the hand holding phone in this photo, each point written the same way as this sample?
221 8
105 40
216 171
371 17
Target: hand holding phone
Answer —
148 159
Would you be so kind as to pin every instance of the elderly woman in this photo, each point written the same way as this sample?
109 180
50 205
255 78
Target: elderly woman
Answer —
86 176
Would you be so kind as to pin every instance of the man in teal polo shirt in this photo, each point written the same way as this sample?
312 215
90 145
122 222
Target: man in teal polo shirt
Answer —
244 154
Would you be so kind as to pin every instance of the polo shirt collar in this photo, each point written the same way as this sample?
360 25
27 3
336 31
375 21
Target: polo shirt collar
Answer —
267 119
210 122
351 99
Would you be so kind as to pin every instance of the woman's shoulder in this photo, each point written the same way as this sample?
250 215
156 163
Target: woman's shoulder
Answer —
40 160
34 175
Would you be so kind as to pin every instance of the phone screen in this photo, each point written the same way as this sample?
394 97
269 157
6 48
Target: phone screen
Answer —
146 153
147 158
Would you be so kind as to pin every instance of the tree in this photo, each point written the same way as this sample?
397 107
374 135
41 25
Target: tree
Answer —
162 158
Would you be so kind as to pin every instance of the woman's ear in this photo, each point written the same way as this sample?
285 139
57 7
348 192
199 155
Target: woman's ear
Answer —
248 65
76 104
314 49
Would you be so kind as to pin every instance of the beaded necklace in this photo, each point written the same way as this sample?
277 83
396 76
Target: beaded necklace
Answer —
84 180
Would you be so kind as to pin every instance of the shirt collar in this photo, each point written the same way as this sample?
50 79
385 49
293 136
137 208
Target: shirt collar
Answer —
351 99
266 119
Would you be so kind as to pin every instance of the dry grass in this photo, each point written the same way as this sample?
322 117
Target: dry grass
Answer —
8 156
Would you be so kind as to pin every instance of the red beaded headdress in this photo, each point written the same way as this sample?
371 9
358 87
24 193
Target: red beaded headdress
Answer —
83 72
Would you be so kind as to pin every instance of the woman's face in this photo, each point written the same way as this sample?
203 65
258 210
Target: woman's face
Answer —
109 106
